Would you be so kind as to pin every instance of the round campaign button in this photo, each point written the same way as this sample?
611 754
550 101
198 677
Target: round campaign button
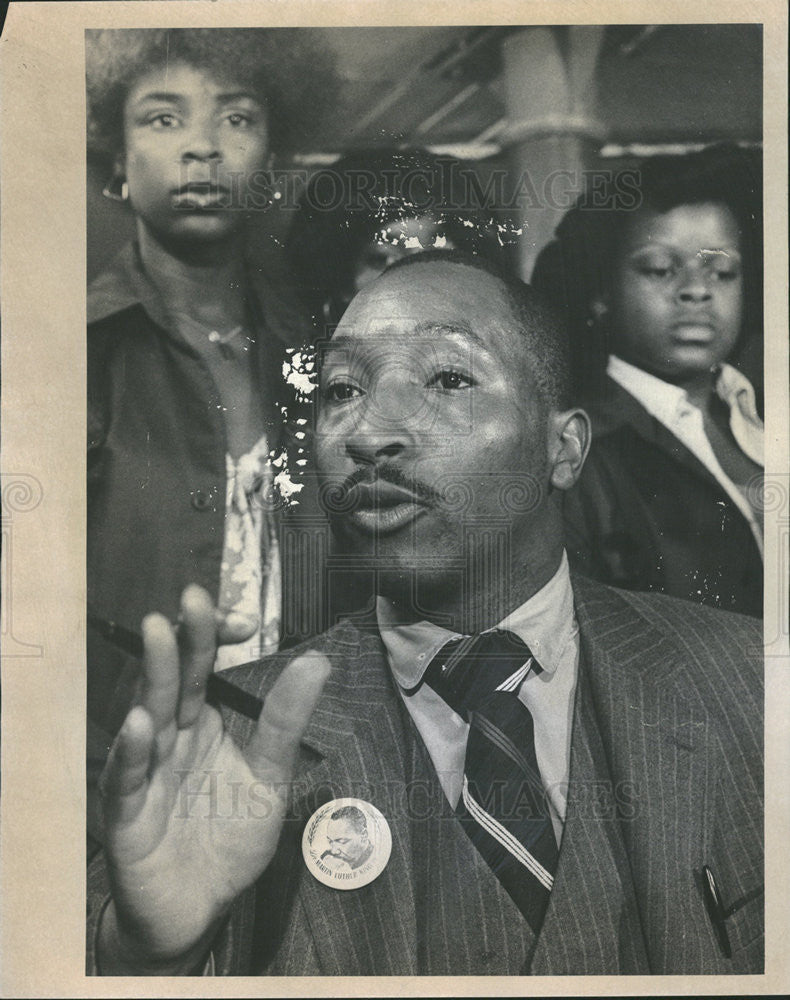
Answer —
346 843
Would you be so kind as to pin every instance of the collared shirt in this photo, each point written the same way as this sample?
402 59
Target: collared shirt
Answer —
670 405
124 284
547 624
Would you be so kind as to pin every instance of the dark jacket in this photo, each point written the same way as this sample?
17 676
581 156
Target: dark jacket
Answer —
156 465
647 515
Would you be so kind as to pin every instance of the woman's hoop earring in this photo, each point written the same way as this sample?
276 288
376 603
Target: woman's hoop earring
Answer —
122 192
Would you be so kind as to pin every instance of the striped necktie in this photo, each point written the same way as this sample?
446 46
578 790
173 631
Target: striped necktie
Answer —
503 807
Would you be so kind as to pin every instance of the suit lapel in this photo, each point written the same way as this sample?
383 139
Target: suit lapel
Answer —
352 749
619 408
357 736
662 754
592 924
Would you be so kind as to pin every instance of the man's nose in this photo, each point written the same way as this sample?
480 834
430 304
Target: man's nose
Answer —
386 426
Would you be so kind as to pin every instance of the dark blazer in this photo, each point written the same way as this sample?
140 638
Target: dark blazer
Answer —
665 777
647 515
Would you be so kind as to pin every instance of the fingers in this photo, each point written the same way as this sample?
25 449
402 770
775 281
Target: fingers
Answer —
285 715
124 781
160 675
176 665
197 642
234 627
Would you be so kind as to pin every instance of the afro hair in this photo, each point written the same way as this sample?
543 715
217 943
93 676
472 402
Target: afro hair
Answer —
286 68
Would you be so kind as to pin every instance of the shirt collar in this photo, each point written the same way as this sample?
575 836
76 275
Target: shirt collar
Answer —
545 622
122 285
736 390
664 400
661 399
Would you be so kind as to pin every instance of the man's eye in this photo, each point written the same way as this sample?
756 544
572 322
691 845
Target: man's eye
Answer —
449 378
340 391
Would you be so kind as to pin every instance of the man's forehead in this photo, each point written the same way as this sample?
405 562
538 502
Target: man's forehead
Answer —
388 330
428 301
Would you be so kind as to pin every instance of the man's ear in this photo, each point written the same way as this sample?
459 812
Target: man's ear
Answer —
571 434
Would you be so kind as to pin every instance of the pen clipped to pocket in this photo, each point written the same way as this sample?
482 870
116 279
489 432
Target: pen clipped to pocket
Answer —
719 912
716 911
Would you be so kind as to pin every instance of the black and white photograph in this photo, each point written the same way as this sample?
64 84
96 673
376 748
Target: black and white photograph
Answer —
418 606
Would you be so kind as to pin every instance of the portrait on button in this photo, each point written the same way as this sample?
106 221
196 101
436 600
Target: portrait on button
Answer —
347 843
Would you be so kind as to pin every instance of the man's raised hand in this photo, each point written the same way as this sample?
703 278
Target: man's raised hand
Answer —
179 848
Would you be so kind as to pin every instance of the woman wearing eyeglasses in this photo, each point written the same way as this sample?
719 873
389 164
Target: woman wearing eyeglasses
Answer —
670 498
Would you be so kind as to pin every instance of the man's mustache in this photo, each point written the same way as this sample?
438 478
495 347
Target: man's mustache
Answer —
341 498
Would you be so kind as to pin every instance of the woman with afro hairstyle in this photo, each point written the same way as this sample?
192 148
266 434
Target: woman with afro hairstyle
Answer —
186 338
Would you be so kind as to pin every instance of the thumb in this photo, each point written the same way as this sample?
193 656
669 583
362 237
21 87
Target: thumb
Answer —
286 712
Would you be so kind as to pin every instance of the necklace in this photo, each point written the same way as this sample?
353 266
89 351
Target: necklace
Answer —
222 340
217 338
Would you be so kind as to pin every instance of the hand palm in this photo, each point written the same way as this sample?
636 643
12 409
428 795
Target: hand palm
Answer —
184 835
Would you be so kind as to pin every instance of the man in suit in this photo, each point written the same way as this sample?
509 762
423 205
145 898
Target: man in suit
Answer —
446 440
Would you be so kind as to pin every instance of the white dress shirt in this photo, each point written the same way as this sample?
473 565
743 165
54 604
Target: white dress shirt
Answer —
670 405
547 624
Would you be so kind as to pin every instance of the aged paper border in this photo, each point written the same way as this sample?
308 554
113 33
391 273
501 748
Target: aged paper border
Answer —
43 414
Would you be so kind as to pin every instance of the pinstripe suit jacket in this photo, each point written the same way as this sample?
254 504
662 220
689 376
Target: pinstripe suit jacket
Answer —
666 776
